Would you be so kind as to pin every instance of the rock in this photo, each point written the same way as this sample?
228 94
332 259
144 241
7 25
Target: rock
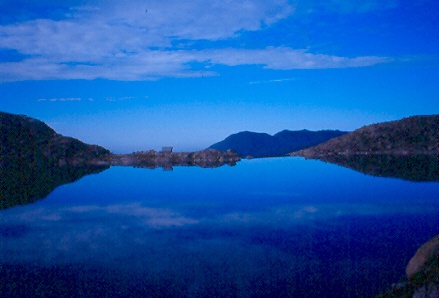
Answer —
151 159
428 291
422 274
425 253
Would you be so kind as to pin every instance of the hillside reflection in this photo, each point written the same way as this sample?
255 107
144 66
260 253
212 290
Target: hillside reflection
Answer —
417 168
22 183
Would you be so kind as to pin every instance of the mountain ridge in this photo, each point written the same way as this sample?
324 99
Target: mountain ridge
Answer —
258 144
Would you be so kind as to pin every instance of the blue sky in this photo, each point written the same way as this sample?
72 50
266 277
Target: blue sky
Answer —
138 75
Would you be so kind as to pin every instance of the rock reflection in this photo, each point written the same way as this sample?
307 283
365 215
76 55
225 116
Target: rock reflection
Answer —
22 183
26 180
418 168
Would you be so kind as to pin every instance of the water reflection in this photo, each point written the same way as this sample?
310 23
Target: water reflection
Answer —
283 227
26 181
418 168
23 183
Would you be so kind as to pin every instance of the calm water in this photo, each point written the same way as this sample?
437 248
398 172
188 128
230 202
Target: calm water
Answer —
269 227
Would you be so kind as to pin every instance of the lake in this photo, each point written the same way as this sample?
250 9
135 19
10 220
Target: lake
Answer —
265 227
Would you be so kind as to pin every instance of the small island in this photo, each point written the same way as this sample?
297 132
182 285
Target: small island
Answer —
152 159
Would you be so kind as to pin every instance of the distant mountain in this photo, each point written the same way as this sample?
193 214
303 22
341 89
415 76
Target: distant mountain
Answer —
416 135
264 145
32 142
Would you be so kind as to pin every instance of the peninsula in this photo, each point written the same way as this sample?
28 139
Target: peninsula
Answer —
407 149
36 159
416 135
29 141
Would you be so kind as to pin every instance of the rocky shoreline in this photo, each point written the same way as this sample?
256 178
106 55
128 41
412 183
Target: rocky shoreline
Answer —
422 274
209 158
31 142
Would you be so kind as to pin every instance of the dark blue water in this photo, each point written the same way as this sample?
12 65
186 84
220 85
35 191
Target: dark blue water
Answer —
266 227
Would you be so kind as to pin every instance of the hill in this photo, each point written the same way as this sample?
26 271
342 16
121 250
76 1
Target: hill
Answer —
416 135
32 142
254 144
34 160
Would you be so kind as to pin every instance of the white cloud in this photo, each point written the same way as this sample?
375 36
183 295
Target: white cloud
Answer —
283 58
124 98
60 99
119 29
91 99
151 65
194 19
120 40
348 6
152 217
272 81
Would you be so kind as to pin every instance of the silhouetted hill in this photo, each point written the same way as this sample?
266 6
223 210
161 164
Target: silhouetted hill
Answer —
416 135
34 160
264 145
406 149
31 141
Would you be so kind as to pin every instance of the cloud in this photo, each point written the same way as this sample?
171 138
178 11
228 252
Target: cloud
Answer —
152 217
283 58
112 99
190 19
137 40
118 29
146 216
154 64
289 214
124 98
272 81
60 99
347 7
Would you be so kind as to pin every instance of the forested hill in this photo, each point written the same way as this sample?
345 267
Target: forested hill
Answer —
31 141
408 136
